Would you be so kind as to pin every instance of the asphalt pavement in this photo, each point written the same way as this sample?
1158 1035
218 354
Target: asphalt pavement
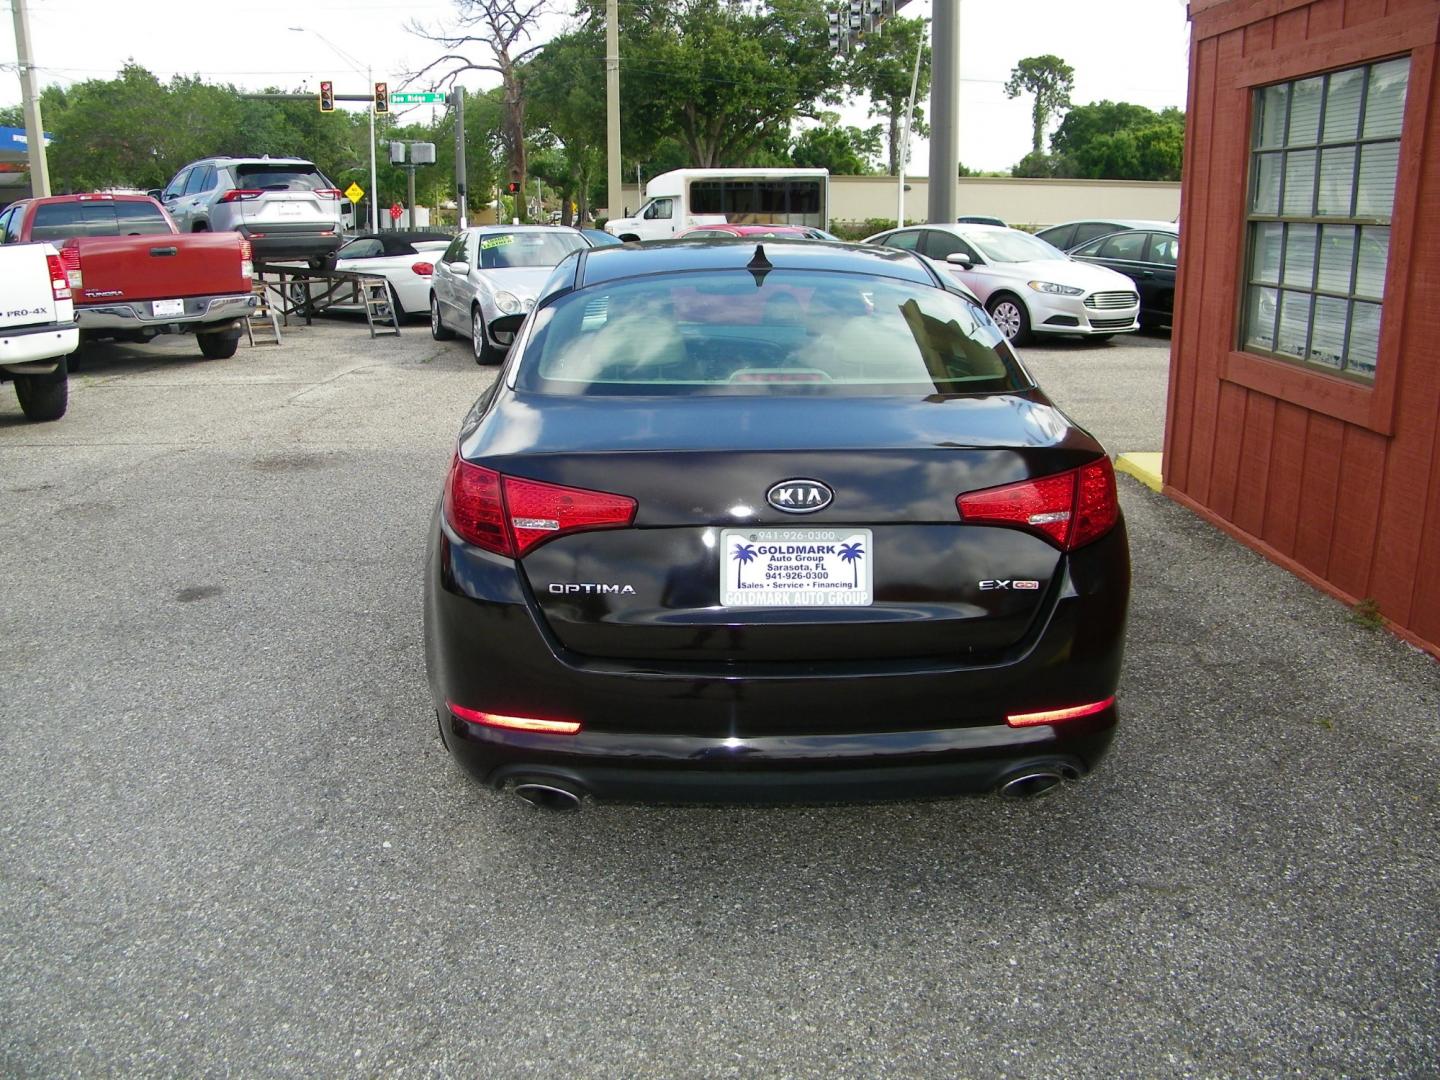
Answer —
231 843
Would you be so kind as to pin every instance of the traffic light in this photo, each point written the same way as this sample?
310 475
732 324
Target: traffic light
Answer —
513 187
327 96
382 97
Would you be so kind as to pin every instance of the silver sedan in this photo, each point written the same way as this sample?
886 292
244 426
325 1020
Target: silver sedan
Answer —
489 272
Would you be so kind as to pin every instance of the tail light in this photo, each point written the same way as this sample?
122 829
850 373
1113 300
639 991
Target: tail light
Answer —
424 269
512 516
1059 716
514 723
247 260
241 195
328 192
59 281
1070 509
70 260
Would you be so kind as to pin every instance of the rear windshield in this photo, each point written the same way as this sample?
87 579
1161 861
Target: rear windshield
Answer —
499 251
60 221
281 178
734 332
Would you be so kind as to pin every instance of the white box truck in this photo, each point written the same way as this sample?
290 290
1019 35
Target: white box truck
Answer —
682 199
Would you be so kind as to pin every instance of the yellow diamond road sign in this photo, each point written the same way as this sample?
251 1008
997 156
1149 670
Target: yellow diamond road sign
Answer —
354 192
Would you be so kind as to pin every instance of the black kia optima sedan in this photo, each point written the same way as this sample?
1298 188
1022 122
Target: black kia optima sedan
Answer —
775 522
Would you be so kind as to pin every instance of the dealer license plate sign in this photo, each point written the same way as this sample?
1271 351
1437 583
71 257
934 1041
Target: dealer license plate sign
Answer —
796 567
161 308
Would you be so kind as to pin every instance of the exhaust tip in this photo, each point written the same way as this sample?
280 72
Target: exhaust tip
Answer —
545 796
1031 784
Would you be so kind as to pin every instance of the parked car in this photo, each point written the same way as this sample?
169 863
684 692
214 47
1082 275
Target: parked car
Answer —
1027 286
683 553
1072 234
37 326
1148 257
406 260
493 271
285 207
134 276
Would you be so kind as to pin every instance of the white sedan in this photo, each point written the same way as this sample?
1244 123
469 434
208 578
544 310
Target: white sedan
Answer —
491 272
1027 286
404 259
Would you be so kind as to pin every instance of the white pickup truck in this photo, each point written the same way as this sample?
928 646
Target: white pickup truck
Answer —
37 328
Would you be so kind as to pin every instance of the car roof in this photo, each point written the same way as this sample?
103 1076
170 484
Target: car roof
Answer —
253 161
784 253
520 228
99 196
1119 223
752 230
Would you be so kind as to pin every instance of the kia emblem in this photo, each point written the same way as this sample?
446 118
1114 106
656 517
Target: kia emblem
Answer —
799 496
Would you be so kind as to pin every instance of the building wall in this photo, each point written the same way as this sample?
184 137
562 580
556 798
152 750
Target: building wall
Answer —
1336 480
1019 201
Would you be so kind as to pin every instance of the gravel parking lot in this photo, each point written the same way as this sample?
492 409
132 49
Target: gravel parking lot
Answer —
232 844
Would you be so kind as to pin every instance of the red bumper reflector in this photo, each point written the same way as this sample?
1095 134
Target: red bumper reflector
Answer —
1055 716
513 723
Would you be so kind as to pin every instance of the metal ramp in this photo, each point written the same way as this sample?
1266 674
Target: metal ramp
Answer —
302 291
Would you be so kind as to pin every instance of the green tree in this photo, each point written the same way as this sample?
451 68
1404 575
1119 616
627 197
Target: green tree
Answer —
721 77
845 151
1117 140
1050 80
882 68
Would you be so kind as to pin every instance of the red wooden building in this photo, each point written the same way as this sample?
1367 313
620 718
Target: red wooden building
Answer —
1305 376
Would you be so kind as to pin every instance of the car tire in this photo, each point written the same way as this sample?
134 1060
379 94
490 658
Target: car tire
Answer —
298 294
1011 317
44 397
218 346
438 330
485 353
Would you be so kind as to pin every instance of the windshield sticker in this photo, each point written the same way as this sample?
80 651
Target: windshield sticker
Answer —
496 241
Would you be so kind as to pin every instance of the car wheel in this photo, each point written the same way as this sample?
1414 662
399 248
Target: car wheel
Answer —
220 346
299 294
438 330
44 397
485 353
1011 317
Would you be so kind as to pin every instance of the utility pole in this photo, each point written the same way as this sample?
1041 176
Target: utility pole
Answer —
613 196
30 95
905 135
458 97
944 111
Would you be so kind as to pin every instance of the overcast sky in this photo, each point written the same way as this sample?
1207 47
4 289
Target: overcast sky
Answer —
1130 50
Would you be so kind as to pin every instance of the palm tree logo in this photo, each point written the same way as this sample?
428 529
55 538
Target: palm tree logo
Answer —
853 553
744 553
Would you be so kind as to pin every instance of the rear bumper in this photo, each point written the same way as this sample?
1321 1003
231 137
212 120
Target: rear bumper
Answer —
767 732
32 350
201 312
275 241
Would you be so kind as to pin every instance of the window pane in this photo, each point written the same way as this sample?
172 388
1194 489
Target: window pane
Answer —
1260 318
1370 268
1337 256
1364 338
1385 103
1270 116
1300 183
1337 181
1376 195
1125 246
1266 199
1300 255
1327 340
1342 105
1305 111
1294 323
1265 261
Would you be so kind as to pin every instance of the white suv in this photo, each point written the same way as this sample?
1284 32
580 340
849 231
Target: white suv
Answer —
285 207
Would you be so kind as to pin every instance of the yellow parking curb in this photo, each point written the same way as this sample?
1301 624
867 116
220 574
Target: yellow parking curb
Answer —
1145 467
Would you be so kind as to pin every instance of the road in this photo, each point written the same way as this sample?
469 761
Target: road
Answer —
232 843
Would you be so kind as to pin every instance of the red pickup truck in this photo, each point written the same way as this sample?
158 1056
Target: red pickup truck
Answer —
134 275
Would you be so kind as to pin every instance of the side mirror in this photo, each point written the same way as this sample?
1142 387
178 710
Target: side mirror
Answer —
460 267
155 193
506 324
959 258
